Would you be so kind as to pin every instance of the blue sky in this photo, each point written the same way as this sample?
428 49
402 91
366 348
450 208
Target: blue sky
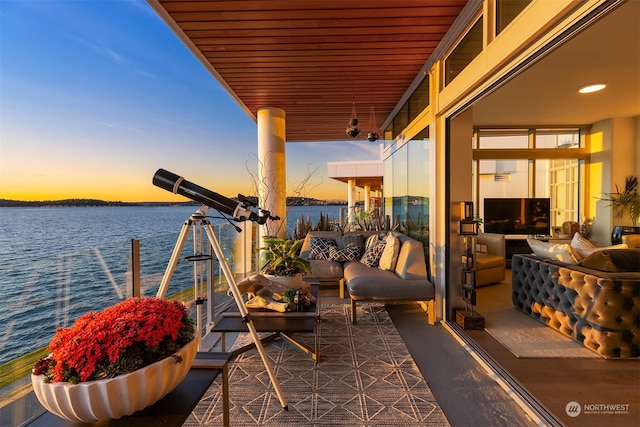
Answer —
95 96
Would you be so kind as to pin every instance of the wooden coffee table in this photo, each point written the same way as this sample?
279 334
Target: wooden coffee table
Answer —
280 324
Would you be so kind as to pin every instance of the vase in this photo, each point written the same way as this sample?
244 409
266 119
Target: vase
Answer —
294 281
585 228
113 398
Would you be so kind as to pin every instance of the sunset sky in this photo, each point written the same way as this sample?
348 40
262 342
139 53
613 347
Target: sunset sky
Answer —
95 96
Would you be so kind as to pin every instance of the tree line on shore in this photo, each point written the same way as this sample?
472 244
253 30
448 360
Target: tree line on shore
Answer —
5 203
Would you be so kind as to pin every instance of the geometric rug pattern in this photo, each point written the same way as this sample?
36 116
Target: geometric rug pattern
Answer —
365 377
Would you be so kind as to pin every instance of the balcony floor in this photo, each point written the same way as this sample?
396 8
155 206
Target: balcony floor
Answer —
469 395
465 392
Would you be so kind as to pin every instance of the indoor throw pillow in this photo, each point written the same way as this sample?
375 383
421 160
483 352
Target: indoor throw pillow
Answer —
582 246
559 252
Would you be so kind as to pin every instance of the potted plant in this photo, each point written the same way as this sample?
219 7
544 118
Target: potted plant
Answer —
625 202
281 260
144 342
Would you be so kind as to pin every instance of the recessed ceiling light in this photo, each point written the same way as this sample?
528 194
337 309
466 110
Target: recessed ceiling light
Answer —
592 88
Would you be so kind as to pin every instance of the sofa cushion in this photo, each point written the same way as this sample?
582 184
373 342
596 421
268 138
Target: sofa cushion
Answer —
411 261
614 260
350 253
485 261
371 257
324 270
582 246
320 247
376 284
560 252
597 249
389 256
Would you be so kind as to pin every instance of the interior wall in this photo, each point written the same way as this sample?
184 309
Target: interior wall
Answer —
614 156
459 174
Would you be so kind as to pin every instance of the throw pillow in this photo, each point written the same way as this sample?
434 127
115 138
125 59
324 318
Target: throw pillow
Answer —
558 252
582 246
350 253
320 247
371 241
614 260
371 257
586 252
389 255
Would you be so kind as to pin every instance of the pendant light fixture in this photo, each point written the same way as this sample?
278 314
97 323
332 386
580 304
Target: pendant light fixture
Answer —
352 129
372 136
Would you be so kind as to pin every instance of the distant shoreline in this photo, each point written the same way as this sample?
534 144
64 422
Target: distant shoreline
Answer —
7 203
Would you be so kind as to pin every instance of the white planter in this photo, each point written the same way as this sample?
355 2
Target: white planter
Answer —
287 281
117 397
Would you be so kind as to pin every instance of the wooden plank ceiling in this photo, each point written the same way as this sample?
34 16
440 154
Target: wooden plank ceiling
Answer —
314 58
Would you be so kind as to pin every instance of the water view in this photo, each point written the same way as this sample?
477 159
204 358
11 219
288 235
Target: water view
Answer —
58 263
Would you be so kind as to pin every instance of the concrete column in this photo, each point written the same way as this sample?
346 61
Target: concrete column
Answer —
272 167
351 202
367 196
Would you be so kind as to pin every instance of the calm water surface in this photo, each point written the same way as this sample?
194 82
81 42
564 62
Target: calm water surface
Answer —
58 263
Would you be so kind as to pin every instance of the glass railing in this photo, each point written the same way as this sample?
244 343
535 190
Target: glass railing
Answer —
43 294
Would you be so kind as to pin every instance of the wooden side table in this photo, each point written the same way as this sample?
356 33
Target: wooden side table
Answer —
280 324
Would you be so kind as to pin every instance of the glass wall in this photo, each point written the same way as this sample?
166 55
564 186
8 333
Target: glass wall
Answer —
406 194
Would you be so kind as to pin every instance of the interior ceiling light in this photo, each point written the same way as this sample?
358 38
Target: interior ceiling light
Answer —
592 88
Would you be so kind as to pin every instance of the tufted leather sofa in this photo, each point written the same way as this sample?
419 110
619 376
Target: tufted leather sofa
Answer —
599 309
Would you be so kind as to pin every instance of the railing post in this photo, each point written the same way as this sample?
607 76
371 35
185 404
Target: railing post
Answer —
135 267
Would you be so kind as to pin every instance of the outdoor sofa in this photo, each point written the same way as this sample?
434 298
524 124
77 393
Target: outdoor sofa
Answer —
372 266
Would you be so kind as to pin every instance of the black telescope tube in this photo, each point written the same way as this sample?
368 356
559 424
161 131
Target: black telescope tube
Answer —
178 185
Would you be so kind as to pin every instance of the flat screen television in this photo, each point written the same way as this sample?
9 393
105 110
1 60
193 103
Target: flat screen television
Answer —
518 216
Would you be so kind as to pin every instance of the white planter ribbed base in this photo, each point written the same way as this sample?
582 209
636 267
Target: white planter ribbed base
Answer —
117 397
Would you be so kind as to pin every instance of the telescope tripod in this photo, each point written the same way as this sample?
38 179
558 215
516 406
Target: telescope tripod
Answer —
200 219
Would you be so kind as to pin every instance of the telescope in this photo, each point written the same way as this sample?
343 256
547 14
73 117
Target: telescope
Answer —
240 210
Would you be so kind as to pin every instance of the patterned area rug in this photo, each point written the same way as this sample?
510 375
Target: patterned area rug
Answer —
365 377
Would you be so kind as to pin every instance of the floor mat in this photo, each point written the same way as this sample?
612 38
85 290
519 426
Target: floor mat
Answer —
365 376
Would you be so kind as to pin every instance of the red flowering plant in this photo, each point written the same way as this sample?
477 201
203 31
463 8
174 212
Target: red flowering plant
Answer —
120 339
